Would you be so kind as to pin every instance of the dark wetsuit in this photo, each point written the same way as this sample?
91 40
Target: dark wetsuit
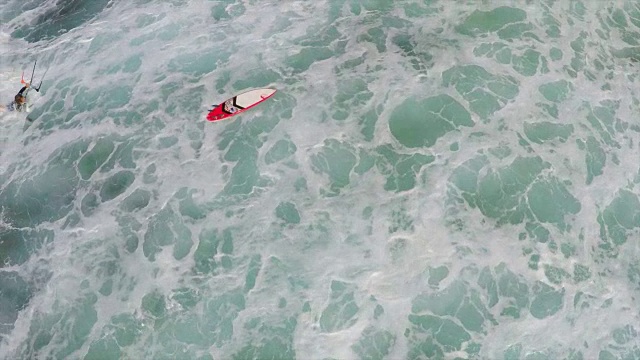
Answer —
14 106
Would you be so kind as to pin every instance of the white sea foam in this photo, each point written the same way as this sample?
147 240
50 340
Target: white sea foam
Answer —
361 245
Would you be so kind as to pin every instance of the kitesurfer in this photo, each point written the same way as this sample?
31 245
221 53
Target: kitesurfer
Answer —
19 102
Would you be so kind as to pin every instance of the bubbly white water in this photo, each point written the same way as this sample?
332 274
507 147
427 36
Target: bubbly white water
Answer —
433 179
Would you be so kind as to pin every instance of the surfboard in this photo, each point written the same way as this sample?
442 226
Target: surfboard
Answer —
239 104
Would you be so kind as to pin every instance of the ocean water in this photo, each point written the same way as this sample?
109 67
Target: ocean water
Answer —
432 180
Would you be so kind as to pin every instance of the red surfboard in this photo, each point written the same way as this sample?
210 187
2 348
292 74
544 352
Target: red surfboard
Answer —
239 104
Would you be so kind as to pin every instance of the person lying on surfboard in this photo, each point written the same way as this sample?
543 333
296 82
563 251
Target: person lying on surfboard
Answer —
19 102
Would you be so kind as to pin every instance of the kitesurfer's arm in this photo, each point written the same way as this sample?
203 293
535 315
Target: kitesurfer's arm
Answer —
23 89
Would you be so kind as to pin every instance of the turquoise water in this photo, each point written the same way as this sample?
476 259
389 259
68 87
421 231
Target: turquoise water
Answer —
432 180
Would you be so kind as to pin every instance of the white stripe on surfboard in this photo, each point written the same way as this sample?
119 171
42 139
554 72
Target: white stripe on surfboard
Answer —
253 97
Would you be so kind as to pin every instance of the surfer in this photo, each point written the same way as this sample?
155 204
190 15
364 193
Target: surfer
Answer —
19 102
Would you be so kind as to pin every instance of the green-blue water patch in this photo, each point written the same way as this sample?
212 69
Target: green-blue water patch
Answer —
618 220
485 92
140 40
436 275
443 303
482 22
374 343
542 132
445 321
319 36
552 25
204 256
242 141
516 31
528 63
514 288
167 142
224 244
281 150
465 176
210 325
537 232
89 204
419 123
169 32
18 244
149 176
199 63
67 329
376 36
419 59
144 20
349 65
400 220
60 19
272 341
121 331
132 64
555 54
166 228
502 151
287 212
109 97
252 272
158 234
604 122
154 305
340 312
556 91
352 94
487 282
624 335
257 78
129 228
401 170
424 348
101 41
116 185
187 206
368 121
187 297
472 314
219 12
184 99
546 300
245 177
116 97
549 201
280 24
47 195
581 273
498 50
415 10
335 159
516 192
555 275
445 332
595 157
301 61
578 61
137 200
15 294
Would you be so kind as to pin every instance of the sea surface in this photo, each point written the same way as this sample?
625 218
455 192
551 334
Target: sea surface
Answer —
432 180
